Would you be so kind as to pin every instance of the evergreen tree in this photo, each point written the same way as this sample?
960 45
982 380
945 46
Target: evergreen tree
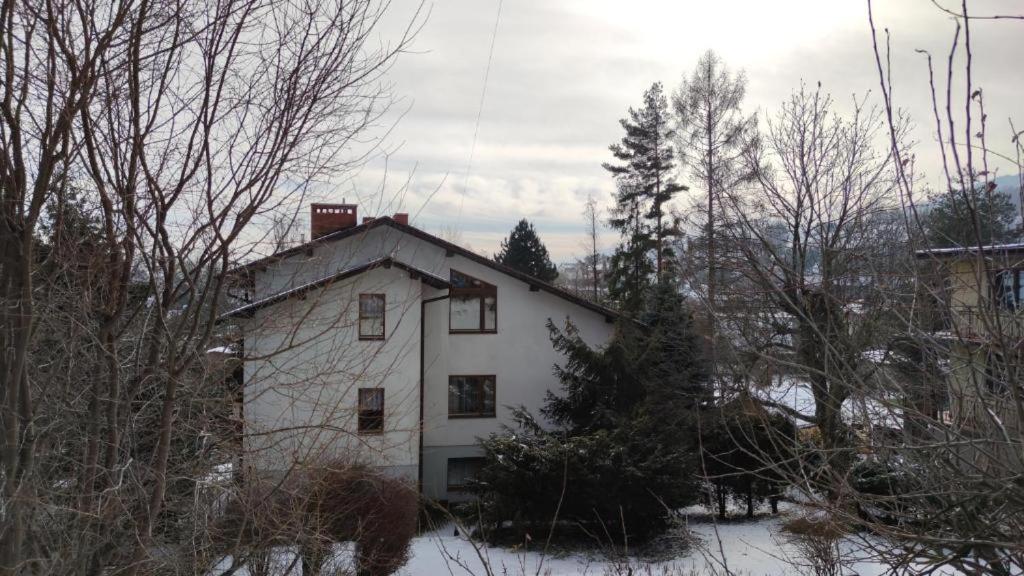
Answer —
962 219
645 186
523 251
624 443
748 452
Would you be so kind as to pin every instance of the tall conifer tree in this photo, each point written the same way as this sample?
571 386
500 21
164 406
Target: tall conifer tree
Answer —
713 136
645 186
524 251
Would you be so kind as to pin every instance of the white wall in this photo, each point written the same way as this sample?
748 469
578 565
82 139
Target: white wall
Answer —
305 364
332 257
520 354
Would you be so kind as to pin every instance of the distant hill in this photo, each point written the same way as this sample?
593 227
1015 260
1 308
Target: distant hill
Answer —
1010 184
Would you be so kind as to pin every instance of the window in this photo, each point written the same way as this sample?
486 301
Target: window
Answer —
473 306
371 410
461 471
371 316
1008 289
471 396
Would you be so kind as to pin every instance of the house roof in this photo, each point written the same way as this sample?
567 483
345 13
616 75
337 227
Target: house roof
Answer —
248 310
534 283
970 250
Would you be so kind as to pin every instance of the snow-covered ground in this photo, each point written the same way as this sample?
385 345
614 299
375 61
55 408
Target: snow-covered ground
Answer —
739 547
751 548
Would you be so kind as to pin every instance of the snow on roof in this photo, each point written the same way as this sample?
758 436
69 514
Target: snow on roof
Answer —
795 393
1014 247
221 350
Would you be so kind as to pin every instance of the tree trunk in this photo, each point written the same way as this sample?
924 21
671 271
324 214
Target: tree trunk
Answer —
720 493
750 499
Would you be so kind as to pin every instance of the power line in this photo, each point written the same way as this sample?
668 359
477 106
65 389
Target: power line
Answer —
479 113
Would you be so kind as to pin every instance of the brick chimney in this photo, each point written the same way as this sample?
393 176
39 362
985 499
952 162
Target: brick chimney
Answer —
402 218
327 218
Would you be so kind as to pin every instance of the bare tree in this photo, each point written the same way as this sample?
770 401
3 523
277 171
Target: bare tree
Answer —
801 235
181 123
712 136
592 219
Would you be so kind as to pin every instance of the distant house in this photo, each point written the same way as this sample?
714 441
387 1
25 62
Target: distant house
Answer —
379 342
984 294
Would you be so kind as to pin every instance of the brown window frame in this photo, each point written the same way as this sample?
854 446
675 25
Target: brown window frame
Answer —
481 378
364 415
481 292
383 317
447 476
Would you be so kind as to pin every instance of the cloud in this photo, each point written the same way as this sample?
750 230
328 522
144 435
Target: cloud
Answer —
563 74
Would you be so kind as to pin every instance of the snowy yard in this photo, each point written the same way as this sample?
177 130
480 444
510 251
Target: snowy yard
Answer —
743 548
750 548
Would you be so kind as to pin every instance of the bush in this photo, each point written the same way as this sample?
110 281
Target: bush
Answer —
326 505
816 538
884 488
376 512
747 450
617 484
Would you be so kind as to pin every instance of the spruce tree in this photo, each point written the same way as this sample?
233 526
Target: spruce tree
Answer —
623 442
645 186
523 251
963 219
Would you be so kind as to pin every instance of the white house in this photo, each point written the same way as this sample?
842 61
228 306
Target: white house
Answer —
382 343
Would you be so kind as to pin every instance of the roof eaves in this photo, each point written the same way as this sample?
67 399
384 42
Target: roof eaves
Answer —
248 310
609 313
965 250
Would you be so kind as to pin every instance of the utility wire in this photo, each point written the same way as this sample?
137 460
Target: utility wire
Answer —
479 113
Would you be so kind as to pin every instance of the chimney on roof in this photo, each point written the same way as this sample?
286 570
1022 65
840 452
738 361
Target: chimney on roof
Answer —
402 218
327 218
367 219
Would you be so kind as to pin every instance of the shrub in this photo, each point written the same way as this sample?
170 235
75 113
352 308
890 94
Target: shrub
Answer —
618 485
376 512
817 540
747 450
885 489
326 505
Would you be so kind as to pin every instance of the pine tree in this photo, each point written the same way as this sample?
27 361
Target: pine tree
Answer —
523 251
961 219
645 186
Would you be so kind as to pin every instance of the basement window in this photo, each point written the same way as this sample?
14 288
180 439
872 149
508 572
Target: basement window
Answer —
371 316
473 305
471 396
462 471
371 410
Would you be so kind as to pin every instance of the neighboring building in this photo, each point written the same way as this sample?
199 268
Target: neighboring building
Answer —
381 343
983 290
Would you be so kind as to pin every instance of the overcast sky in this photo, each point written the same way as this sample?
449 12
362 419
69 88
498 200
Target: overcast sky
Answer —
564 72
